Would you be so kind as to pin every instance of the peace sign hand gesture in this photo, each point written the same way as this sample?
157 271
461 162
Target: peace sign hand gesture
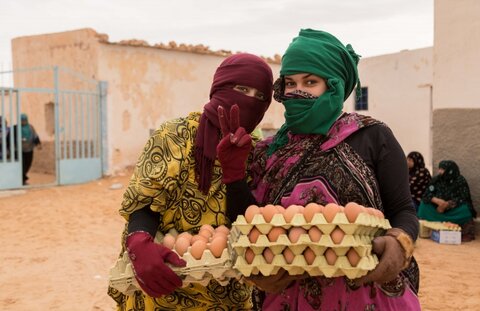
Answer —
234 147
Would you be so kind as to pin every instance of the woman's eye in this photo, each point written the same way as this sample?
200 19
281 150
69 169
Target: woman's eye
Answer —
311 82
289 84
240 88
260 96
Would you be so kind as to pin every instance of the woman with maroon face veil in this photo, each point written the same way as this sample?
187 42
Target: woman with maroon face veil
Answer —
179 184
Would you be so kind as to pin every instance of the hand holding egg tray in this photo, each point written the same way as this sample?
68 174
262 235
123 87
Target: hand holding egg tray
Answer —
203 264
341 245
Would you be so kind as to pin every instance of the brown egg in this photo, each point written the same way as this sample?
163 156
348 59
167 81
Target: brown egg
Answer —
268 211
378 213
353 257
280 209
198 248
222 229
268 255
310 210
253 235
330 256
185 235
275 232
197 237
207 227
370 210
219 233
250 212
181 245
330 211
206 233
217 245
295 233
352 210
288 255
309 255
315 234
249 255
337 235
291 211
169 241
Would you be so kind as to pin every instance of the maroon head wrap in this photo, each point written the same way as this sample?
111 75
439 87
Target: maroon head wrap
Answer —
239 69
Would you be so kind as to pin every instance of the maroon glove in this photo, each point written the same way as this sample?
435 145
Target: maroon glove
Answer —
234 147
148 259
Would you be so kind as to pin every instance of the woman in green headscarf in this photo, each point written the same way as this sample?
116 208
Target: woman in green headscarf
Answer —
324 155
30 139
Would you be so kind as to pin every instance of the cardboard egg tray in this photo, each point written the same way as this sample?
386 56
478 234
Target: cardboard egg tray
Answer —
319 267
122 277
207 267
365 224
434 225
358 235
361 244
201 270
426 228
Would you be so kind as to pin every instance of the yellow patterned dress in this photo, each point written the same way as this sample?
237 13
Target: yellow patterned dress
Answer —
164 178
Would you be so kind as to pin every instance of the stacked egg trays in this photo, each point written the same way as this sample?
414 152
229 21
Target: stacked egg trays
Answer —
322 256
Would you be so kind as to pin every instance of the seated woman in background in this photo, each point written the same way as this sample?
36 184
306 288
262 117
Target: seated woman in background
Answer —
419 176
447 198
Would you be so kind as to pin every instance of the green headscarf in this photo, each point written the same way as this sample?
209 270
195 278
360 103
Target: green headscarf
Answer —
26 128
319 53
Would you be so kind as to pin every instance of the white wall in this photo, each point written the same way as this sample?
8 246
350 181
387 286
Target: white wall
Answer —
399 95
456 54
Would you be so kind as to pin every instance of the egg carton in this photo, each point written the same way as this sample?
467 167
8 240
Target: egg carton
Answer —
434 225
361 243
122 277
319 266
208 266
365 224
200 271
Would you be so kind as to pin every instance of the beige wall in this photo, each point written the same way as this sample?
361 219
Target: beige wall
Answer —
456 50
146 85
455 92
399 95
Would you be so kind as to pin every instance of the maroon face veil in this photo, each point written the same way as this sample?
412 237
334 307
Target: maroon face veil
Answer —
239 69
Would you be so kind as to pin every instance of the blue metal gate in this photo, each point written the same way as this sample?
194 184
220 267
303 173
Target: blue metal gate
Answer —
76 103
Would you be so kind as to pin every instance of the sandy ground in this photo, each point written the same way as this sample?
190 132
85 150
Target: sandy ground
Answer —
58 244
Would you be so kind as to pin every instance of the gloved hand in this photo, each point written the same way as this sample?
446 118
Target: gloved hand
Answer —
148 260
392 260
234 147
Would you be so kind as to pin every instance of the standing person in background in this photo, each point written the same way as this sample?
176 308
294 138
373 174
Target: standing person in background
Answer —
419 176
4 130
324 155
448 198
179 184
30 140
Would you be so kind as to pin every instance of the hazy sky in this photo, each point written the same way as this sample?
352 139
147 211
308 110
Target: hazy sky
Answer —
264 27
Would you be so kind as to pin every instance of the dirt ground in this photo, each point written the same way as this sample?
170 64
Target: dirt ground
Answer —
58 244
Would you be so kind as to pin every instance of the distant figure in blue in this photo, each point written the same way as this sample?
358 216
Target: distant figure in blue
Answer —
30 140
3 133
